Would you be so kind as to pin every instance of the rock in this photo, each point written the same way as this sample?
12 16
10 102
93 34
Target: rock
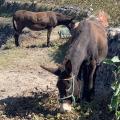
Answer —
112 32
74 11
64 32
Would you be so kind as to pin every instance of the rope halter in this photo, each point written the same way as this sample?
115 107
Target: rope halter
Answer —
72 94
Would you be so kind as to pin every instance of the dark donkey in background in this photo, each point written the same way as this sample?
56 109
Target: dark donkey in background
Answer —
88 49
38 21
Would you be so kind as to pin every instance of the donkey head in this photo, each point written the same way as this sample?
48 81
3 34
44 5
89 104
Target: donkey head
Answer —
67 84
63 19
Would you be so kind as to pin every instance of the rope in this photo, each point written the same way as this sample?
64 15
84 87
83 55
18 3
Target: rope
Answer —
72 94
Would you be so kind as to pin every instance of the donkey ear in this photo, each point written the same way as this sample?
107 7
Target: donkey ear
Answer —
74 24
55 71
103 18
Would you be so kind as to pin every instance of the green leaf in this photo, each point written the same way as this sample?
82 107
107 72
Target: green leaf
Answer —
108 61
115 59
113 87
114 102
118 115
118 90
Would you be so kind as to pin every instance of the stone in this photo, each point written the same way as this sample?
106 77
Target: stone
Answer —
74 11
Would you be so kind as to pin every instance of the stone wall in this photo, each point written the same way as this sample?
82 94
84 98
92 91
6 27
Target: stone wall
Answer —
74 11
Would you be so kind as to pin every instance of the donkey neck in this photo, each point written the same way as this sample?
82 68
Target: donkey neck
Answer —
64 22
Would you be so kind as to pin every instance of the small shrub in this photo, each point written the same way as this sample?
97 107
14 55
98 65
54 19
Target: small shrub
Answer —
115 100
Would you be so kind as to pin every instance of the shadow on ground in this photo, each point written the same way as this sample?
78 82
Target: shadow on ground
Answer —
6 31
24 106
59 49
59 54
44 105
44 45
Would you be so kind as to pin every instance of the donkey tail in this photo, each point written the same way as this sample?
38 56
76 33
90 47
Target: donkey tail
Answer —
14 23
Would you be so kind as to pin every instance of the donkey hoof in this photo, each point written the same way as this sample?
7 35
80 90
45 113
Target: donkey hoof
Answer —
48 44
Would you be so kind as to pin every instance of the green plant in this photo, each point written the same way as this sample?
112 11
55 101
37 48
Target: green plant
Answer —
115 100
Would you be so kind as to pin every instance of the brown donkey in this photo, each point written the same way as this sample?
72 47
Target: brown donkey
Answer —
38 21
87 50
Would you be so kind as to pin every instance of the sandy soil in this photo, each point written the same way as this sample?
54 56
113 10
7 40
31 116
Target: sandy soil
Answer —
20 71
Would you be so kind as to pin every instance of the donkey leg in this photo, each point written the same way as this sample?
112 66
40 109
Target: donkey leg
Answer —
86 82
89 80
16 36
92 77
48 36
18 31
81 81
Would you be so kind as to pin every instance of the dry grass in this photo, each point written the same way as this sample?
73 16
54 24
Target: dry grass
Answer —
33 50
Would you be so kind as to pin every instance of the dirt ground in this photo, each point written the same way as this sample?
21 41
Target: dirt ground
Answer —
20 71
